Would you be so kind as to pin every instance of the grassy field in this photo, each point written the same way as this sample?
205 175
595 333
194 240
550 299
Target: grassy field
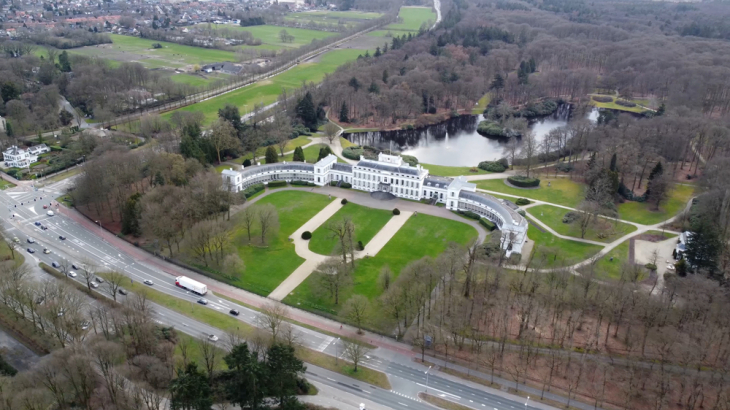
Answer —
413 18
643 213
552 216
333 18
613 106
552 252
310 154
269 35
368 222
364 374
266 91
194 353
561 191
610 264
481 104
190 79
296 142
447 171
345 143
422 235
5 184
267 266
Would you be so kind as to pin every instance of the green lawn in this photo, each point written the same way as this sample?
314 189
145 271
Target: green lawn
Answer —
269 35
266 91
346 143
368 222
267 266
610 265
643 213
310 154
552 252
562 191
552 216
422 235
447 171
333 18
413 18
189 79
195 355
613 106
481 104
5 184
168 52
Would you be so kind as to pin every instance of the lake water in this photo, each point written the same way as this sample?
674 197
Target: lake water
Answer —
455 142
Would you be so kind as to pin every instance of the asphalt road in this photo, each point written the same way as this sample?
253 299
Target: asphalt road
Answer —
21 210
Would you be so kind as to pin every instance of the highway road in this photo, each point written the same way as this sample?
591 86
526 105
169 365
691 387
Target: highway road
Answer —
21 209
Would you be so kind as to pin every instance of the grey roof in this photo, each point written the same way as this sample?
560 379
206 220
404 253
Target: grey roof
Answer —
436 182
387 167
342 167
289 166
504 211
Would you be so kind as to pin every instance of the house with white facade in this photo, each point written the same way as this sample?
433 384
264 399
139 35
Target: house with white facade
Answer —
18 157
390 174
39 149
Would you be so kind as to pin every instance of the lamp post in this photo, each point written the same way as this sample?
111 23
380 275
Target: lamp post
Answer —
100 230
429 369
528 400
336 355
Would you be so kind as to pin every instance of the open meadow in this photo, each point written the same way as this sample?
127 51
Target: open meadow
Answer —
332 18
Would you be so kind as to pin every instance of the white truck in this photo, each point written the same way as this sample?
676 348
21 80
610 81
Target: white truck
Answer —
191 285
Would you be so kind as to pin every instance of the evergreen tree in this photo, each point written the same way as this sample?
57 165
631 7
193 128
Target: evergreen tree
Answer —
298 154
367 54
323 152
245 381
498 82
230 114
343 113
284 369
661 110
131 214
612 167
63 63
374 88
159 180
190 390
533 65
385 76
305 111
9 129
271 156
656 171
377 52
523 77
40 137
704 246
385 47
354 84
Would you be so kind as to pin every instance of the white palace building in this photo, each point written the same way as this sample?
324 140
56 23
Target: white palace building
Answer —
390 174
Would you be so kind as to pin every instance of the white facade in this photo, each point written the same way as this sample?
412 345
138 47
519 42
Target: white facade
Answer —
18 157
390 174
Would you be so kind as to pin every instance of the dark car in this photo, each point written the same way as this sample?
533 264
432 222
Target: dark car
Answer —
98 279
31 250
234 312
123 292
55 264
44 227
203 301
37 223
61 237
75 266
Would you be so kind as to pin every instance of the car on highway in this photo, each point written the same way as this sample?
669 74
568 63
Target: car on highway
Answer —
72 274
55 264
16 240
123 292
61 237
46 251
31 250
148 282
37 223
98 279
234 312
30 240
75 266
94 285
43 227
50 213
203 301
213 338
45 206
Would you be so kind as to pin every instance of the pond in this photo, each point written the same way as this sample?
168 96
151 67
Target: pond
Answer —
455 142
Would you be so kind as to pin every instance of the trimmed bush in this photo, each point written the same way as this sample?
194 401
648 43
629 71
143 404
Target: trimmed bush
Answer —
564 167
306 235
625 103
246 162
650 266
522 201
522 212
487 224
303 183
346 185
504 161
410 160
276 184
490 129
523 182
353 152
571 217
360 246
469 214
602 99
396 211
253 190
344 201
492 166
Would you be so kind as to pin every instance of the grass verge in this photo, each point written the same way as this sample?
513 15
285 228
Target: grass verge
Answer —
363 374
442 403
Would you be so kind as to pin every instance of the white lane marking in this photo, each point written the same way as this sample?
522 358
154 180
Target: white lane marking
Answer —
403 404
444 392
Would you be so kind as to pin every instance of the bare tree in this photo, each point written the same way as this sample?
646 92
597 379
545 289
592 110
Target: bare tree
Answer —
211 356
12 245
331 277
113 283
354 352
88 272
529 150
342 231
357 310
330 131
248 217
272 318
268 220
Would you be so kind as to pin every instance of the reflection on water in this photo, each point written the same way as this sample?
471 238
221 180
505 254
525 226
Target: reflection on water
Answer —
456 142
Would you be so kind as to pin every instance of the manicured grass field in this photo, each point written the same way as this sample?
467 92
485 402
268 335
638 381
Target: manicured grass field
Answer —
422 235
447 171
5 184
613 106
606 268
345 143
269 35
367 221
194 354
168 52
189 79
333 18
267 266
552 216
553 252
310 154
562 191
481 104
643 213
413 18
266 91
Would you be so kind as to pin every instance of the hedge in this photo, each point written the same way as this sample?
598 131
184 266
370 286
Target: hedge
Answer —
469 214
353 152
277 184
303 183
492 166
602 99
346 185
522 201
625 103
487 224
253 190
306 235
523 182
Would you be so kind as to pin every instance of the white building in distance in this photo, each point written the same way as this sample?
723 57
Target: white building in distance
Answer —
23 157
390 174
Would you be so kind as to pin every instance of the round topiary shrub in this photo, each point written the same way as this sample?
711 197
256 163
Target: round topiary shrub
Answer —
396 211
522 201
523 181
247 163
344 201
360 246
306 235
571 217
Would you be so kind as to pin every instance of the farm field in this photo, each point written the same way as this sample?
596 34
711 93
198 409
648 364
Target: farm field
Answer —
422 235
332 18
367 221
413 18
269 35
266 91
